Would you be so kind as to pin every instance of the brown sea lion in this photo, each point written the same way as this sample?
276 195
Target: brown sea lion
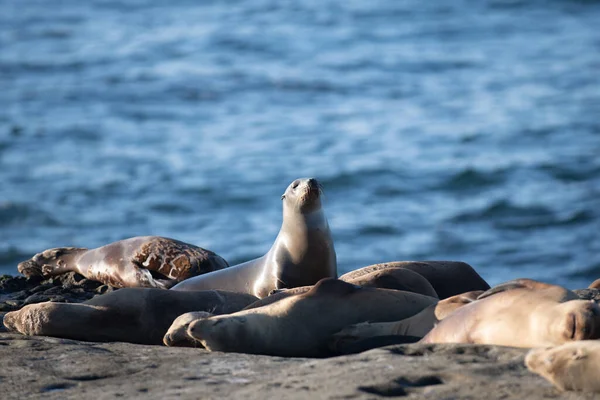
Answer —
448 278
136 315
520 313
142 261
301 255
571 366
300 325
388 278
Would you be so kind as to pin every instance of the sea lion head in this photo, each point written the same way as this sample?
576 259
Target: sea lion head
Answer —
304 195
177 333
580 320
571 366
221 333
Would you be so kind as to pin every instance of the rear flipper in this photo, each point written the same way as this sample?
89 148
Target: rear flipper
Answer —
71 321
51 262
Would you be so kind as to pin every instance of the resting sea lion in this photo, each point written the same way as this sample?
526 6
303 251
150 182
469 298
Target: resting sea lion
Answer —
520 313
136 315
388 278
571 366
300 325
301 255
448 278
349 339
142 261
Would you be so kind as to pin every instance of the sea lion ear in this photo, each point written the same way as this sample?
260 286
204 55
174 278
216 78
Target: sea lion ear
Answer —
332 286
514 284
283 196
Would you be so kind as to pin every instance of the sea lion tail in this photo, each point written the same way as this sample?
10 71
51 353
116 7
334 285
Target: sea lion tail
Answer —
50 262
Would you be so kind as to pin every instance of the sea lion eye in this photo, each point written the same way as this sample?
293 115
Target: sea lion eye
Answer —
295 184
571 325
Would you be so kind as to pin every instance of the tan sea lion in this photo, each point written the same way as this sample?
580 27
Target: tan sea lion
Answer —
142 261
448 278
177 335
571 366
301 255
520 313
136 315
300 325
416 326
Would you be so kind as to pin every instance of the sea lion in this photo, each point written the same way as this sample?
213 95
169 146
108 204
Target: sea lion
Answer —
136 315
301 255
142 261
520 313
571 366
448 278
351 338
388 278
300 325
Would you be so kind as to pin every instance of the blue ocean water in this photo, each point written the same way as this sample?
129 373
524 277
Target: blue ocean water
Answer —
463 130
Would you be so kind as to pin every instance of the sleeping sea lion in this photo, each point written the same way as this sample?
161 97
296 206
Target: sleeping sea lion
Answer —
136 315
520 313
571 366
300 325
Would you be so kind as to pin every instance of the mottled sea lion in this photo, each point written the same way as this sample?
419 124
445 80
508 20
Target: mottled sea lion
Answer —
142 261
571 366
136 315
302 254
301 325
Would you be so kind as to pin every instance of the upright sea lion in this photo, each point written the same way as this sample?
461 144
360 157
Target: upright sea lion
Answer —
136 315
448 278
301 255
142 261
571 366
520 313
300 325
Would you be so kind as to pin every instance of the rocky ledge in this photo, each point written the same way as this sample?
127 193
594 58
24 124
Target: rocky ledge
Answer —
51 368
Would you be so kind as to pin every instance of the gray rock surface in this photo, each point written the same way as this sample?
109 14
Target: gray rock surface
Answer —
49 368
